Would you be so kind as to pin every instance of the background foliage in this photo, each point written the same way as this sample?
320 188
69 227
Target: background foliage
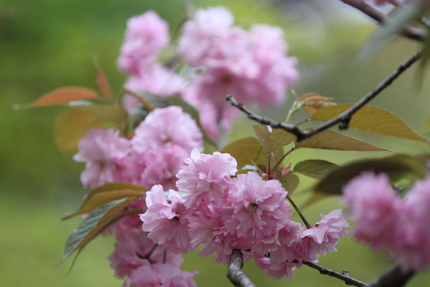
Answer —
46 44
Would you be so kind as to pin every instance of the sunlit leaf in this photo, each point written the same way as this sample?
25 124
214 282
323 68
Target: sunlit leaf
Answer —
111 113
71 126
332 140
246 151
93 224
332 184
107 193
272 139
315 168
373 120
289 181
63 96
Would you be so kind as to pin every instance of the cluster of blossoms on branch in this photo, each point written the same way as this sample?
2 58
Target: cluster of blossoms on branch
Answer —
220 59
386 221
203 200
196 198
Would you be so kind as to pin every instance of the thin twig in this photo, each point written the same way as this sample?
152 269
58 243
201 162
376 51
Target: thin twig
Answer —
235 273
408 31
343 118
394 277
345 278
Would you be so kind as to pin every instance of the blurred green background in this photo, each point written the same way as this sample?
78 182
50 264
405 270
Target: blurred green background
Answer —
46 44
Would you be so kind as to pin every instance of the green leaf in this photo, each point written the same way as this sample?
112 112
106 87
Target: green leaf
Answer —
390 28
71 126
93 225
107 193
63 96
373 120
396 167
315 168
289 181
332 140
246 151
272 139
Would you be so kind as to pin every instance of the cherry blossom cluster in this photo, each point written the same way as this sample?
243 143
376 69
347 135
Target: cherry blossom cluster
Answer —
153 155
220 59
215 206
386 221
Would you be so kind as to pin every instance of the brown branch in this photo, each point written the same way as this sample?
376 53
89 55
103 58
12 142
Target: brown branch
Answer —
343 118
408 31
344 276
394 277
235 273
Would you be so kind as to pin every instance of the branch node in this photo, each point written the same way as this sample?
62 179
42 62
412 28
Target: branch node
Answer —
235 273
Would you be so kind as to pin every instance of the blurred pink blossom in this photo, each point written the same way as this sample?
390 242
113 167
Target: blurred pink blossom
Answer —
105 155
136 250
373 204
161 275
167 127
145 36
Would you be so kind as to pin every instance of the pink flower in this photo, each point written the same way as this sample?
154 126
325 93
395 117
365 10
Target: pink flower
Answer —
373 204
136 250
277 72
166 222
161 275
322 237
277 270
256 211
410 246
161 166
206 178
211 36
251 66
106 155
145 36
154 79
208 227
166 127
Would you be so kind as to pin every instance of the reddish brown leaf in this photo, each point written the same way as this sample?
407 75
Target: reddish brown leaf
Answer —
64 96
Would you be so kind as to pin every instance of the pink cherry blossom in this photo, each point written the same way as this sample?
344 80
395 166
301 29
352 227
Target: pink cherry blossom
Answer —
161 166
410 246
166 222
145 36
207 227
211 36
136 250
105 155
161 275
372 203
277 72
322 237
166 127
256 211
277 270
154 79
206 178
